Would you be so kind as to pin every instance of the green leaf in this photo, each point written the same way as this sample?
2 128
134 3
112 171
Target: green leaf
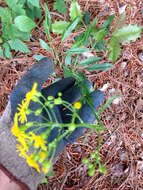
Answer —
108 102
100 35
60 6
86 17
16 7
9 31
35 3
128 33
34 12
89 28
114 49
99 67
89 61
67 72
18 45
47 21
38 57
69 29
100 45
77 50
7 51
75 11
24 23
68 60
86 36
59 26
5 15
24 36
108 21
1 52
44 45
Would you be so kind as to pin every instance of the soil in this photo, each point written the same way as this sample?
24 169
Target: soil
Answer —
122 143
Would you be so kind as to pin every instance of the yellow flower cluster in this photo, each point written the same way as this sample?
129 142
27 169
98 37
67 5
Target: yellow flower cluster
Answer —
26 140
25 103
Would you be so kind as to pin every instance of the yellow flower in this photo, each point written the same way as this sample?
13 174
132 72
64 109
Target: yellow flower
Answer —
21 150
39 142
23 141
42 155
15 130
32 163
25 104
77 105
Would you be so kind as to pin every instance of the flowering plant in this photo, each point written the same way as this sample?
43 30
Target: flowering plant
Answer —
34 145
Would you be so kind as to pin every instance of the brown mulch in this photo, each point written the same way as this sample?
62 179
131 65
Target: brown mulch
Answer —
122 144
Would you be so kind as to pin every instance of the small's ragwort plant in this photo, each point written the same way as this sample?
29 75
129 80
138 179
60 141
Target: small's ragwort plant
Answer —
38 152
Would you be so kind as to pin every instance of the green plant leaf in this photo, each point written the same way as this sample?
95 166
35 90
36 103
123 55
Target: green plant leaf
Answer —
100 35
60 6
99 67
108 21
67 72
100 45
35 3
83 40
9 31
38 57
89 29
90 60
24 23
16 7
128 33
75 11
86 17
68 60
7 51
59 26
47 21
114 49
18 45
44 45
1 52
5 15
69 29
77 50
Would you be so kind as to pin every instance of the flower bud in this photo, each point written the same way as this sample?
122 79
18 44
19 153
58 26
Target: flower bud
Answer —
90 166
72 127
29 124
50 98
91 172
38 112
85 161
35 99
38 94
59 94
58 101
28 111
